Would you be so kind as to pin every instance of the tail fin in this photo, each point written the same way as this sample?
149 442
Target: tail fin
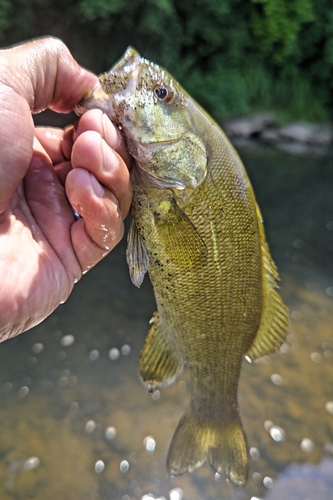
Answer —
223 443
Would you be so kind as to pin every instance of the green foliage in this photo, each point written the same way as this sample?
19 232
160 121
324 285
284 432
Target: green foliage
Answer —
233 56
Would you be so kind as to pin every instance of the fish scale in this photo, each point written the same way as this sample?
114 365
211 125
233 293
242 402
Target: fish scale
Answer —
197 230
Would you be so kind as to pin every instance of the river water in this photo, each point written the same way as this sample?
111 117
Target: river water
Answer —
76 422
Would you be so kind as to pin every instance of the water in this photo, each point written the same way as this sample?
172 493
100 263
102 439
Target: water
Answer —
75 421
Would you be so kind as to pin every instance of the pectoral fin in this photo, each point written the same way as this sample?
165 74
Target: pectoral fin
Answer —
158 362
136 256
180 236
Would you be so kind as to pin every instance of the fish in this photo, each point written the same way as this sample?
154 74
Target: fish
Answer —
197 230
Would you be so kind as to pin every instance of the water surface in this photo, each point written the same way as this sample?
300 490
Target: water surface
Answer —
76 421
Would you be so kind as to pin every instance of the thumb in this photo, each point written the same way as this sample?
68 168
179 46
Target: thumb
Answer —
34 76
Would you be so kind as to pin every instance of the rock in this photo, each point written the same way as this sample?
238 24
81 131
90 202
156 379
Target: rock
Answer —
249 126
308 133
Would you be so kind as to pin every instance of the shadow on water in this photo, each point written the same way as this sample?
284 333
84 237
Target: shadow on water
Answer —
75 421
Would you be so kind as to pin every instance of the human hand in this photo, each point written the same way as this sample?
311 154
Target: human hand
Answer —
43 249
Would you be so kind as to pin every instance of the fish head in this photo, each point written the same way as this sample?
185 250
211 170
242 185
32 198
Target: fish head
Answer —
151 109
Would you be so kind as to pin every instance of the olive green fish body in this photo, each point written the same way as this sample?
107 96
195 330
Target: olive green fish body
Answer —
197 229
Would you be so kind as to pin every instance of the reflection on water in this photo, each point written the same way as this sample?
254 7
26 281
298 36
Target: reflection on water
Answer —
75 421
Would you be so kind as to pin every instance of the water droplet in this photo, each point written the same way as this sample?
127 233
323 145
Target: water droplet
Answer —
329 407
254 453
37 348
90 426
329 291
124 466
150 444
249 360
176 494
99 466
114 353
307 445
67 340
31 463
23 391
63 381
217 477
276 379
74 406
125 350
329 225
110 433
277 433
255 498
268 482
257 477
316 357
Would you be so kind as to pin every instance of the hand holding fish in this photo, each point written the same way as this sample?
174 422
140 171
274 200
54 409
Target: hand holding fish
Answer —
44 172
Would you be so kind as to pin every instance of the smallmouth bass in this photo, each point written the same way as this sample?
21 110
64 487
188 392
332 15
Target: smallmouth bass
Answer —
197 230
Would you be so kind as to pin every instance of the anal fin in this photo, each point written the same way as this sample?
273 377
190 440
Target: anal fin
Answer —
159 364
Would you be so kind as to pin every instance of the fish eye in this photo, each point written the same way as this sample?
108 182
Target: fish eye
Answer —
164 93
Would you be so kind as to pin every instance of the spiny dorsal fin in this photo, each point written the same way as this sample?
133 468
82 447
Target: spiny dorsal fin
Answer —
275 318
158 362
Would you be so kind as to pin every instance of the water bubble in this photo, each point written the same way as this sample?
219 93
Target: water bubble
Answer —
74 406
156 395
316 357
67 340
125 350
329 225
32 361
93 355
31 463
61 356
150 444
124 466
267 425
217 477
255 498
329 407
307 445
176 494
285 348
23 391
114 353
90 426
99 466
277 433
254 453
276 379
110 433
298 243
329 291
257 477
296 315
268 482
37 348
63 381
